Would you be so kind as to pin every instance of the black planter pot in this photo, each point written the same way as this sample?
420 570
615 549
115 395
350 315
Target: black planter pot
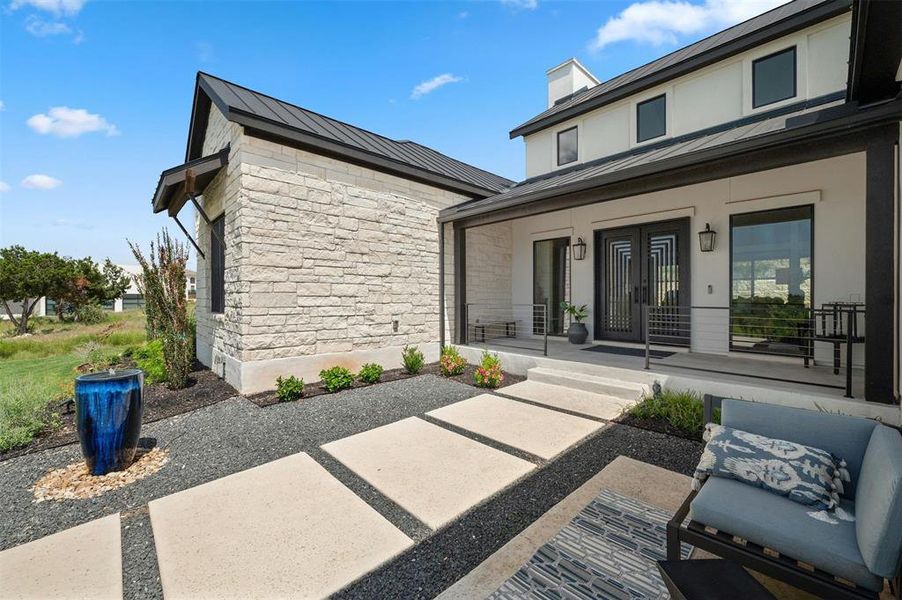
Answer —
577 333
109 406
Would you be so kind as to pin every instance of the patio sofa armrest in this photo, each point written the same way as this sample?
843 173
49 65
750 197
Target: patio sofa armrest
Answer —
674 524
878 510
846 437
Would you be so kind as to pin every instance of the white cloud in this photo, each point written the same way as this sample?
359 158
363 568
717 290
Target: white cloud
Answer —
204 51
430 85
521 4
40 182
658 22
63 121
38 27
463 14
72 223
4 187
57 7
2 106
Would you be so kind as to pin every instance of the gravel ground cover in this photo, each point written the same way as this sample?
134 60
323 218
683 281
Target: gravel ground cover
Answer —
236 434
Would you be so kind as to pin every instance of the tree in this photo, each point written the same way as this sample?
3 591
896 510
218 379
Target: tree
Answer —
25 277
86 283
162 282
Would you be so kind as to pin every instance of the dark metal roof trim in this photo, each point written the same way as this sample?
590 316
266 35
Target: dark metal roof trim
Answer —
844 124
280 120
173 179
698 55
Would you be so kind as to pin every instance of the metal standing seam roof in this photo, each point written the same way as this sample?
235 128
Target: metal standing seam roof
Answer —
239 99
669 65
599 172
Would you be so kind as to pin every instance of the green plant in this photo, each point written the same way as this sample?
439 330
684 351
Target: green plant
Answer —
289 388
488 373
413 359
370 373
90 314
24 412
149 359
682 409
577 313
336 378
451 362
163 284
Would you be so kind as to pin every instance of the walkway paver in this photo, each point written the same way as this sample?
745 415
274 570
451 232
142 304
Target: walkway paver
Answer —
81 562
539 431
590 404
284 529
431 472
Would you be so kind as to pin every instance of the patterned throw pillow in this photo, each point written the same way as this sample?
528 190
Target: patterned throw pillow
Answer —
803 474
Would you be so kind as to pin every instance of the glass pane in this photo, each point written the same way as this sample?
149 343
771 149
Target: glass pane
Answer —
551 281
771 280
619 285
652 118
567 148
774 78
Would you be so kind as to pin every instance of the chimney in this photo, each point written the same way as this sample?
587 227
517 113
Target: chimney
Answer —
568 78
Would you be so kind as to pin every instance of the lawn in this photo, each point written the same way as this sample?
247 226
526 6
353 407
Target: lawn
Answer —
37 371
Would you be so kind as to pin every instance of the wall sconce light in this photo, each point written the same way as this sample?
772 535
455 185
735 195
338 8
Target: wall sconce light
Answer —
579 249
706 239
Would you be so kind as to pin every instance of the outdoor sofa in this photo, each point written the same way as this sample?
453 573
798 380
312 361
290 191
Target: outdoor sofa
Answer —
829 557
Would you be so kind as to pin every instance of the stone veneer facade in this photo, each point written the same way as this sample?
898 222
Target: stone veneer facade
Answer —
326 263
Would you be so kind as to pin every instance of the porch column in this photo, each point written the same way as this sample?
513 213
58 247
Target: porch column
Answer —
880 338
460 283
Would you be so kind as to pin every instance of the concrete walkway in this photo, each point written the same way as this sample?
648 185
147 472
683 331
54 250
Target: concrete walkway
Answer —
289 528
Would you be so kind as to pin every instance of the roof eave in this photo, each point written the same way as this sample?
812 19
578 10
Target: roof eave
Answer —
796 22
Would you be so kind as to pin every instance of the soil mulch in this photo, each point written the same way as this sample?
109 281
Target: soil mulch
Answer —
204 388
312 390
659 425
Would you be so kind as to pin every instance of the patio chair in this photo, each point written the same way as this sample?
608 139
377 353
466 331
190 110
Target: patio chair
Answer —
778 537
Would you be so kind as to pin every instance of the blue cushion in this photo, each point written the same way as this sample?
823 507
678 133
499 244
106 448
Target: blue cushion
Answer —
785 526
843 436
803 474
879 505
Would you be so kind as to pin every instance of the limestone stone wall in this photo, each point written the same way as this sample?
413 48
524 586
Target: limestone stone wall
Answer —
327 263
489 273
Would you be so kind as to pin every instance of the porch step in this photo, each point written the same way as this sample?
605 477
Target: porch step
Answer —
573 400
605 386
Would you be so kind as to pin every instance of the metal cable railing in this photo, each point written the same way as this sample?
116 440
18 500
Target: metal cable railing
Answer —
776 330
513 325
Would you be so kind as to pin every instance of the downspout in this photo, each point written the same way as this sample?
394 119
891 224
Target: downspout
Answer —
441 284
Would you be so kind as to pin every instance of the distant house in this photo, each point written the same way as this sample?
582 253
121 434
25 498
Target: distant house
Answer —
757 167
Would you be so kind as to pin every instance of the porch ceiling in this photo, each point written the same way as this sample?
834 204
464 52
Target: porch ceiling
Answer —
839 128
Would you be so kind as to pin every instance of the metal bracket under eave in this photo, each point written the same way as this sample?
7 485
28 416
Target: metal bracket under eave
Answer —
188 235
188 190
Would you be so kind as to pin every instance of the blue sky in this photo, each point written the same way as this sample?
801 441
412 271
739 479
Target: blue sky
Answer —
96 96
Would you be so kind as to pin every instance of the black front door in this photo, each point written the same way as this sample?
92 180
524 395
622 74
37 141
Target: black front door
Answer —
635 267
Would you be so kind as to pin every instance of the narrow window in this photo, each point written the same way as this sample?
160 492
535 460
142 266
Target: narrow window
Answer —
567 146
217 266
774 77
651 118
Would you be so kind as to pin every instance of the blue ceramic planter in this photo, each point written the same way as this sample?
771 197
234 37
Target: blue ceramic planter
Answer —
108 411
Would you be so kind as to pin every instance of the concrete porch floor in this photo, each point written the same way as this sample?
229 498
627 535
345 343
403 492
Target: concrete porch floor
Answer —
755 377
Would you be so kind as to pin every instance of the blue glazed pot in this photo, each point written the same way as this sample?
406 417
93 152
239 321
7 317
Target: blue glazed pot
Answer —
108 411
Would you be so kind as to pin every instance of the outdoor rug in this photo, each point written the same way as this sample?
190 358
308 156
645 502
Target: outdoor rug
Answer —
624 351
609 550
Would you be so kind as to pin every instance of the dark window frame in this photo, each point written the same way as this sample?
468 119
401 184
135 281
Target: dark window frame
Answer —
575 128
217 265
795 76
639 139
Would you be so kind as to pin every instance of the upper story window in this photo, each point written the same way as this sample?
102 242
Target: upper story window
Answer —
217 266
651 118
774 77
567 146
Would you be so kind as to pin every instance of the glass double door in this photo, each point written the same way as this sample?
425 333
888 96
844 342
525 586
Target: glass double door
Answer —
640 266
550 283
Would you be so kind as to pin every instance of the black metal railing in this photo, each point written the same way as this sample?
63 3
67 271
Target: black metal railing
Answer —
770 329
513 325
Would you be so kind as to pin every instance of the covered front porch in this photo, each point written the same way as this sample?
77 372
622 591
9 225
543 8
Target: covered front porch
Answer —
796 292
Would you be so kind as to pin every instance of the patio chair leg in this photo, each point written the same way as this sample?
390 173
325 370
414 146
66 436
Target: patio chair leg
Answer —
673 543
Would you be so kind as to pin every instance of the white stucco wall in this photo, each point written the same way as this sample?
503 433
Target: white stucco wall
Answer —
716 94
834 186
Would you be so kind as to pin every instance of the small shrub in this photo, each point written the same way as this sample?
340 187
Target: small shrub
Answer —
289 389
370 373
451 362
90 314
413 359
337 378
149 359
488 373
682 409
